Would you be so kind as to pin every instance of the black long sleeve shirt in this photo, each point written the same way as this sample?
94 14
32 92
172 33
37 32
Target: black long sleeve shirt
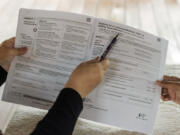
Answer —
3 75
61 118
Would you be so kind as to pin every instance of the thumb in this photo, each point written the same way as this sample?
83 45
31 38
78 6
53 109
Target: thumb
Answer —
17 51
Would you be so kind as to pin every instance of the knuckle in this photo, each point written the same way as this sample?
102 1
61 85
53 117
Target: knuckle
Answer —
5 42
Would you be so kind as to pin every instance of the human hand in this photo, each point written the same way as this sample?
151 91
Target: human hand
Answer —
170 89
87 76
8 52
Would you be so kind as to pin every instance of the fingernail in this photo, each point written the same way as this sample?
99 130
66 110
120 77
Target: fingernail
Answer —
98 58
25 48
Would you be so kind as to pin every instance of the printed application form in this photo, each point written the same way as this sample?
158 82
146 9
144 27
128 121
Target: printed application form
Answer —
128 96
59 41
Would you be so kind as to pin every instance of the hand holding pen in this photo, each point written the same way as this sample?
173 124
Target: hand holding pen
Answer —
103 56
101 60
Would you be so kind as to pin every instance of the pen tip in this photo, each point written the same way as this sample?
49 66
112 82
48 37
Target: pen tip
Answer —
117 35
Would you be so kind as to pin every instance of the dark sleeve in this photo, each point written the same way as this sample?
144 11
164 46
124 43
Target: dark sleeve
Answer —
61 118
3 75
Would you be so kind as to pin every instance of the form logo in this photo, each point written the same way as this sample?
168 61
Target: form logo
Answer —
88 19
141 116
159 39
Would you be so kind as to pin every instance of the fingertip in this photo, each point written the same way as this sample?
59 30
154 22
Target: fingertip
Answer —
106 62
24 50
158 82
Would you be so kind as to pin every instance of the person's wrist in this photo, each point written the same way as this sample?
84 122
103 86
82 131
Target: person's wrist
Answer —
3 69
77 88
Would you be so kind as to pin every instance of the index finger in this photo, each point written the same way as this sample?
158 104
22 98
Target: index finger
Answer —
161 84
105 64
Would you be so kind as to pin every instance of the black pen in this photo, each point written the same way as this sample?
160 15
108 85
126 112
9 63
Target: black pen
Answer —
103 56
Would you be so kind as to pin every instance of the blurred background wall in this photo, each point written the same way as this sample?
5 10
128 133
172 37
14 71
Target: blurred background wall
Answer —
159 17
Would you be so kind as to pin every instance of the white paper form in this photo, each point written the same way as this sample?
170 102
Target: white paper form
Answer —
128 97
57 43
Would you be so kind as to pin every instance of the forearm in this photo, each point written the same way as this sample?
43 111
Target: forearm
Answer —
62 117
3 75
